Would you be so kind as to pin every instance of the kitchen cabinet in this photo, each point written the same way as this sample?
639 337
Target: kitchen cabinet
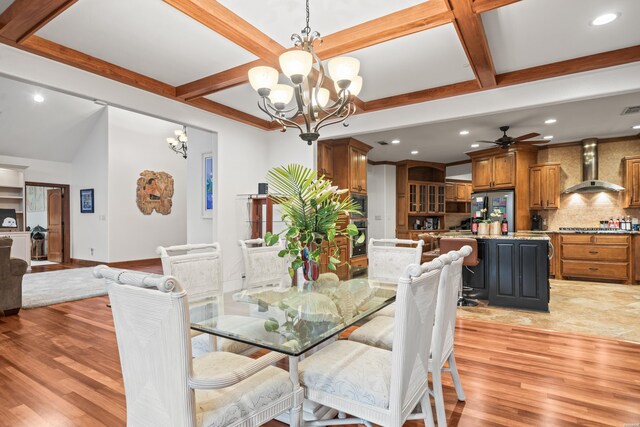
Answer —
636 257
325 160
632 181
544 186
596 257
426 198
458 192
342 270
358 170
498 169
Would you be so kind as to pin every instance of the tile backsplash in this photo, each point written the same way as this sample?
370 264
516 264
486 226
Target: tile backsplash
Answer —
587 209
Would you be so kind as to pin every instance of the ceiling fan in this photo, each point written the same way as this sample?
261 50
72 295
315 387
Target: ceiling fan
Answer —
506 141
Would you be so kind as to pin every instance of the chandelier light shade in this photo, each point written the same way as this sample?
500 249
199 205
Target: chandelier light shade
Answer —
315 106
178 142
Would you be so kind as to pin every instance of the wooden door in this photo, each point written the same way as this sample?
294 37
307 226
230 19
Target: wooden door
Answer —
536 198
54 220
482 173
441 207
504 171
422 198
632 183
461 191
450 192
325 160
551 186
413 198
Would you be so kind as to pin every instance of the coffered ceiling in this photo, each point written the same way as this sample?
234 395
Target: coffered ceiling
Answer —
199 51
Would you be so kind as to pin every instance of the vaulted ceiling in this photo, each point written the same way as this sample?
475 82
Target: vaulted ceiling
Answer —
199 51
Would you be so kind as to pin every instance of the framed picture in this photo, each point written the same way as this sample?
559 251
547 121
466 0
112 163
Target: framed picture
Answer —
207 185
86 200
8 218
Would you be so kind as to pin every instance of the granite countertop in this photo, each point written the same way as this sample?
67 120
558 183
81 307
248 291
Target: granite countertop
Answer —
573 232
519 235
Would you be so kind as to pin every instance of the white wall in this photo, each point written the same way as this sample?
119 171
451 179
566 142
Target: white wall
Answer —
39 170
459 172
381 192
137 143
199 228
90 231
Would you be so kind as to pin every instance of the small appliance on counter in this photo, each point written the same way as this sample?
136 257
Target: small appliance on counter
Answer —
536 222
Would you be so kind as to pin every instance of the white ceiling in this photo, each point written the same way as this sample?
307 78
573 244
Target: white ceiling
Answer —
146 36
536 32
281 18
52 130
241 97
419 61
441 142
4 4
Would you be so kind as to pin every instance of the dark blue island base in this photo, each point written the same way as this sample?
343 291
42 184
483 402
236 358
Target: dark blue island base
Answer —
513 272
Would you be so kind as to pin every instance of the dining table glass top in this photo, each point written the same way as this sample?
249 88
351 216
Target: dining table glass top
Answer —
291 320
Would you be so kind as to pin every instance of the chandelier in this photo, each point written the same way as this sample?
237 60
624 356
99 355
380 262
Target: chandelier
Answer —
314 108
178 142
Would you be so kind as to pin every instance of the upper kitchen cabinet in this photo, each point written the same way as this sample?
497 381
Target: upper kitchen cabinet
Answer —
632 181
325 159
458 191
345 161
501 169
544 186
494 172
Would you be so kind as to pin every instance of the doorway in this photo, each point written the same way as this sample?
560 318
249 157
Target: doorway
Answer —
47 217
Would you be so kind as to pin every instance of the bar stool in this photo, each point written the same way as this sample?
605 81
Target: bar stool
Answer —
455 244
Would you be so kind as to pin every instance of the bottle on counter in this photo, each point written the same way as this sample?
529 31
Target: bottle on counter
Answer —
610 224
474 224
505 225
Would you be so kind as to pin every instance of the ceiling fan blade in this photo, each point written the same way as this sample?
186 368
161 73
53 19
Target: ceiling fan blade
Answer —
533 142
527 136
489 142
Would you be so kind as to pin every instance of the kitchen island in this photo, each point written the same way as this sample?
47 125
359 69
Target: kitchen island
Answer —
513 270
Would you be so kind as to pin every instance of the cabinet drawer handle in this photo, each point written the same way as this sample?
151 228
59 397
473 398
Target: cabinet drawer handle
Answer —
593 268
594 252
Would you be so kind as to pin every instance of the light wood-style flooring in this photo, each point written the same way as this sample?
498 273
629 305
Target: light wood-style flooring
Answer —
59 366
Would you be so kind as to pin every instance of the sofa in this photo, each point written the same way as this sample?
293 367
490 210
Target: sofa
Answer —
11 272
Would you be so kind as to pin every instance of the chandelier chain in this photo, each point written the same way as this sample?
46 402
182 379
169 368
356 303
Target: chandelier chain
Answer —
307 29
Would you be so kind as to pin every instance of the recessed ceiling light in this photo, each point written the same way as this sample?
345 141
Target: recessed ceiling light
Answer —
38 98
464 132
475 145
550 121
605 19
548 137
395 141
414 152
635 127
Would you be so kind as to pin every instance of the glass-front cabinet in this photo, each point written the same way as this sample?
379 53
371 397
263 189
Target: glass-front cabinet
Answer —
426 198
413 198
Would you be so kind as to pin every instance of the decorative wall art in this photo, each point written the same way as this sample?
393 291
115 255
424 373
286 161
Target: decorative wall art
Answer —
207 185
86 201
8 218
35 199
154 192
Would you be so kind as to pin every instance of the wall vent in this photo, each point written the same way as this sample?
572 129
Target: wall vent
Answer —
631 110
383 143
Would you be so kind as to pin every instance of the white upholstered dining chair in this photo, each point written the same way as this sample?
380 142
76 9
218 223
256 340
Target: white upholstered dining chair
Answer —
379 332
262 265
375 385
198 267
388 261
164 386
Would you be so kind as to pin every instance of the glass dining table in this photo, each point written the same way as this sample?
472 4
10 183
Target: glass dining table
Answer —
292 321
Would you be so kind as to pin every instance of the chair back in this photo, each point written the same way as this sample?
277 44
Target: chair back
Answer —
151 319
455 244
413 328
5 257
197 267
445 323
262 265
388 261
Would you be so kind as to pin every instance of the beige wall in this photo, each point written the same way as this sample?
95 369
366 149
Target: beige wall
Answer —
586 209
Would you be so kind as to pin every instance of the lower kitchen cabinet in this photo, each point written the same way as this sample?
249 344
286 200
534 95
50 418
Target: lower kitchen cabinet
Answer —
596 257
512 273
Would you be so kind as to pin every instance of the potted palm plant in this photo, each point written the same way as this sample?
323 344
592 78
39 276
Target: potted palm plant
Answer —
314 212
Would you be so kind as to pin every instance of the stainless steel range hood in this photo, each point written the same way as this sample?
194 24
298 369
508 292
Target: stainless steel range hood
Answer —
590 182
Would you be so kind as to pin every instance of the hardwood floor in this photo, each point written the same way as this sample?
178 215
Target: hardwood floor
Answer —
59 366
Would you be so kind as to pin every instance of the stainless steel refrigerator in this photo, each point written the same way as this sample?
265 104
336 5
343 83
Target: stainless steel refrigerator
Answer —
501 200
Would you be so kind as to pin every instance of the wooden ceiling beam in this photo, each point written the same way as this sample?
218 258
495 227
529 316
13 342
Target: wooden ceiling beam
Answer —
218 18
68 56
219 81
481 6
474 41
24 17
425 95
571 66
420 17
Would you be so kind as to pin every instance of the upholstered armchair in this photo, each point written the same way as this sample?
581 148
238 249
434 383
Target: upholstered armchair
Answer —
11 272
